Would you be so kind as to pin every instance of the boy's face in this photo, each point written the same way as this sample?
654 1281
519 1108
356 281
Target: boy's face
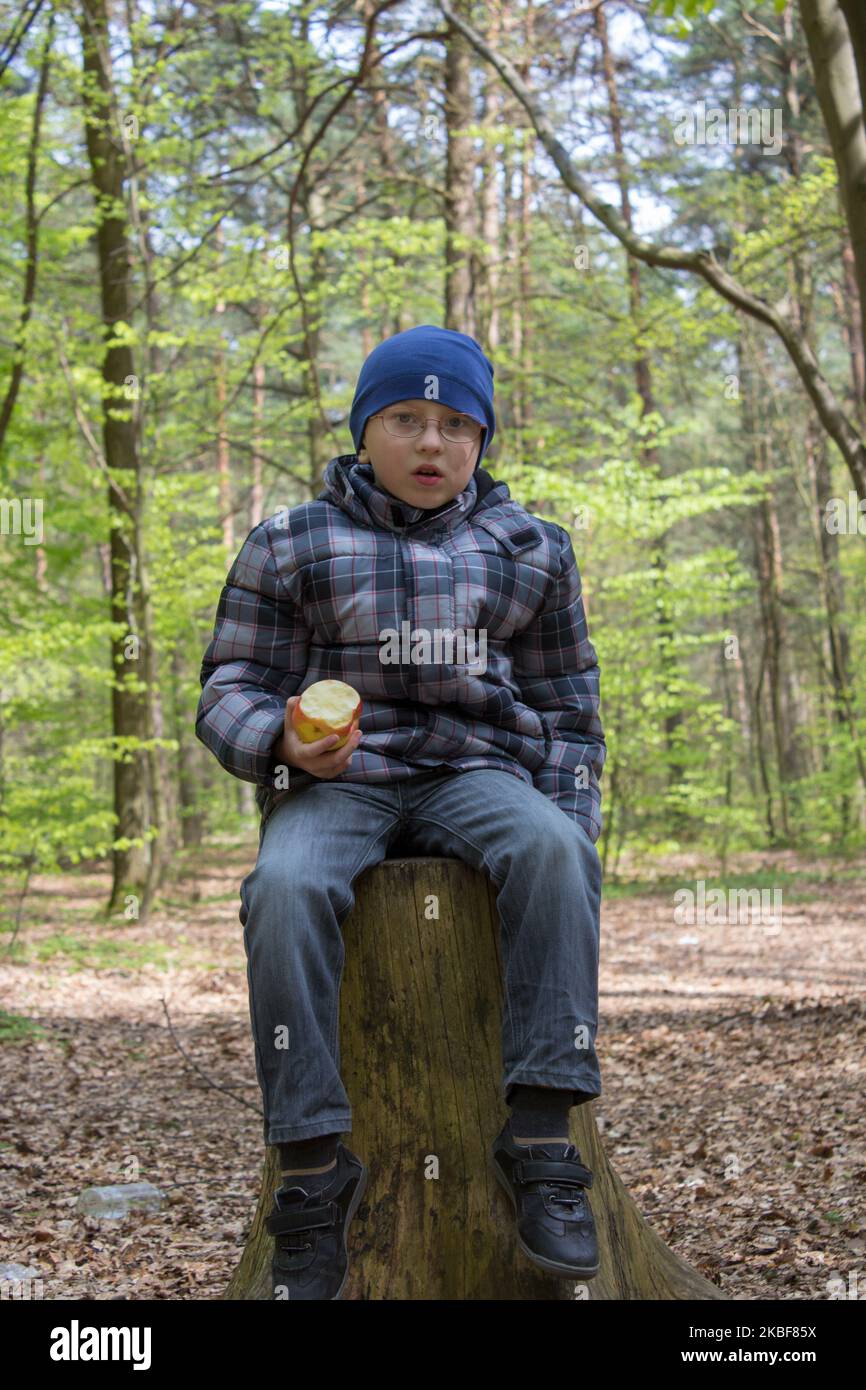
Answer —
395 460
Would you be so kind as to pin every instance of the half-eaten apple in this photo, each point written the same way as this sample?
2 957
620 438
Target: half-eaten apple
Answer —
326 707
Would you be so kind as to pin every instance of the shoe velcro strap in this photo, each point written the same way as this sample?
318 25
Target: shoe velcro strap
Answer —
553 1170
304 1219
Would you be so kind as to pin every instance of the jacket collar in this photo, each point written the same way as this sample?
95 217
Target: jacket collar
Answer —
353 487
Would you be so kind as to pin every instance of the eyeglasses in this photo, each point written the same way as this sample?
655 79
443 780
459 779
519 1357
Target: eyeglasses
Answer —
405 424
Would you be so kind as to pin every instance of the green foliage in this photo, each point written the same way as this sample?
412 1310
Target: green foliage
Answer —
231 140
687 10
17 1028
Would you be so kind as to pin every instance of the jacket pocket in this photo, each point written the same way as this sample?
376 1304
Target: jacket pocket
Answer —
515 538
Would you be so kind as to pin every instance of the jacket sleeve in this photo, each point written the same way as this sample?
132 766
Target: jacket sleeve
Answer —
556 667
257 658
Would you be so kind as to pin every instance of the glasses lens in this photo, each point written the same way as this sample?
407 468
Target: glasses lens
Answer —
460 429
405 424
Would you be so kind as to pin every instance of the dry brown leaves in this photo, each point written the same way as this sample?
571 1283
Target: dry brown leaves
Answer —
732 1063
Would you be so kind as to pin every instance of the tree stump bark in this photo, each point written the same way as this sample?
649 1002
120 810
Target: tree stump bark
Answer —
420 1057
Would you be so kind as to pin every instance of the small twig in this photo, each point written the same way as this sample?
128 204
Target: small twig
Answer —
197 1068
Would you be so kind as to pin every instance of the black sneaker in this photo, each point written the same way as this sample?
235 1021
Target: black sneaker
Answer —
309 1226
546 1186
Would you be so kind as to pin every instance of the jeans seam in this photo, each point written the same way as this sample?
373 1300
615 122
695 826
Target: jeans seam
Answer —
340 1123
363 863
532 1079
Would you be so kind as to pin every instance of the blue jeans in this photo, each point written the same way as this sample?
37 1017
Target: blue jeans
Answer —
312 848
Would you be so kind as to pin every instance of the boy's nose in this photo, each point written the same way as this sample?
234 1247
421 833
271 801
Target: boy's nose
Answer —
430 436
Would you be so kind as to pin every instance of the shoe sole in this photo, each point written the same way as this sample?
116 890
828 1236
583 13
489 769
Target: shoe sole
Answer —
581 1272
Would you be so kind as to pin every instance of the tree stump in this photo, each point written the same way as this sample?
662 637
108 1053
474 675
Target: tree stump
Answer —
420 1057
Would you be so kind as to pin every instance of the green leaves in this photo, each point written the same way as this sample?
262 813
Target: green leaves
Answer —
693 8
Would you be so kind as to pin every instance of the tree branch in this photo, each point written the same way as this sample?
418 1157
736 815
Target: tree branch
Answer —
702 263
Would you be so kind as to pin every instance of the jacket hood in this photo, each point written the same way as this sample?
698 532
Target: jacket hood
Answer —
352 486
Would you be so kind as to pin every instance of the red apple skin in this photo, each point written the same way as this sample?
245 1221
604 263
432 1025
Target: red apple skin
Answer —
309 730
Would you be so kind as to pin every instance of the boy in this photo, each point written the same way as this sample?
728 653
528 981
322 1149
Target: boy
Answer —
505 752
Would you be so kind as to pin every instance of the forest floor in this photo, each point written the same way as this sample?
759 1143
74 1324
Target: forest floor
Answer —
732 1062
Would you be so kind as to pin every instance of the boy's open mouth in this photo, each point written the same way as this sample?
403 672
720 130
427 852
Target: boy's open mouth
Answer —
426 471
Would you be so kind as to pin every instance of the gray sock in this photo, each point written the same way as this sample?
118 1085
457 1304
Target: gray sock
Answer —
539 1112
309 1162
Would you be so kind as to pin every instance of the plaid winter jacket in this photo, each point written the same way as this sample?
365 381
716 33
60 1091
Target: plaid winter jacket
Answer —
357 586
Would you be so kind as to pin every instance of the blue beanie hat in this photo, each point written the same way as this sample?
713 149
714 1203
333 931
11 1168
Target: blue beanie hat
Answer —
426 363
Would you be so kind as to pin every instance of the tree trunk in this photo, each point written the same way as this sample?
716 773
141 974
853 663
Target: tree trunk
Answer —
836 643
648 453
224 476
768 568
130 705
460 215
28 295
836 45
490 263
420 1058
846 302
163 807
190 758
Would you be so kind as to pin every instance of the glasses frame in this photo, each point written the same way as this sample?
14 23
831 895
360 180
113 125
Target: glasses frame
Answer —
438 423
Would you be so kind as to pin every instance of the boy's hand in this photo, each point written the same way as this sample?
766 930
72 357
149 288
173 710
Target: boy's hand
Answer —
320 759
